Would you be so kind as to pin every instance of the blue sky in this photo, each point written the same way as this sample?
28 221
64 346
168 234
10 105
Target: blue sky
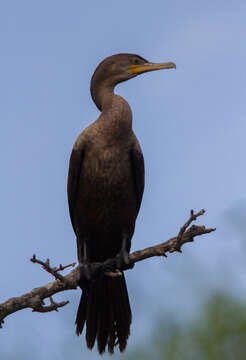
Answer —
191 126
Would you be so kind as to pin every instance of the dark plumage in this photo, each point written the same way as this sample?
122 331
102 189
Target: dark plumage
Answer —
105 188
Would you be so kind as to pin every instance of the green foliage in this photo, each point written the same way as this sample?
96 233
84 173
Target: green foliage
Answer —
218 332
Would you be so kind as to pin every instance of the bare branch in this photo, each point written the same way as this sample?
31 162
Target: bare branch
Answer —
35 298
52 307
178 243
52 270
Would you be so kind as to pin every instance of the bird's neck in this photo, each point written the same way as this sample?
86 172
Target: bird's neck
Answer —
115 109
102 92
103 95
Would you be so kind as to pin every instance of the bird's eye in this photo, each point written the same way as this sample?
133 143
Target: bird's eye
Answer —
136 61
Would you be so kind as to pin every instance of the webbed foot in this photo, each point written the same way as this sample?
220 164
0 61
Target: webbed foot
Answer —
88 274
123 260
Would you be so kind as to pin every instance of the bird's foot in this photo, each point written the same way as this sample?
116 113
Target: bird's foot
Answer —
88 274
123 261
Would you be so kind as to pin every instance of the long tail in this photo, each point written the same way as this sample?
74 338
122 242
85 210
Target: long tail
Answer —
107 314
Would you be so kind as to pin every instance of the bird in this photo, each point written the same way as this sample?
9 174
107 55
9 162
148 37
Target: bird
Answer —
105 189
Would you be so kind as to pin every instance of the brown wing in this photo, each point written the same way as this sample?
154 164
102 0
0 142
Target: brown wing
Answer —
74 173
137 161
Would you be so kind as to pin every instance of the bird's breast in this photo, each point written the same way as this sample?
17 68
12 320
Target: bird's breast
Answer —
106 191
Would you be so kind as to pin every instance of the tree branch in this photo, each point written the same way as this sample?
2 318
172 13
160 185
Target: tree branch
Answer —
35 298
52 270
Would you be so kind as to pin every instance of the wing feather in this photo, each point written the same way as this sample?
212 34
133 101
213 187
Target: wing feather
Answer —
137 161
74 173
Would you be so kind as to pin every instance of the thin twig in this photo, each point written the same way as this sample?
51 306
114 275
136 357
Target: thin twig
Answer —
52 270
193 217
52 307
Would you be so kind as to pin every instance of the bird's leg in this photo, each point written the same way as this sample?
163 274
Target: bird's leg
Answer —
89 272
122 258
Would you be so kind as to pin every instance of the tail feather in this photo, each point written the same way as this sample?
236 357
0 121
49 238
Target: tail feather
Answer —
91 319
123 315
112 339
81 314
107 313
105 317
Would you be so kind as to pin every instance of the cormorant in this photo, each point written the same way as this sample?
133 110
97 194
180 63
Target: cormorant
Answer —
105 189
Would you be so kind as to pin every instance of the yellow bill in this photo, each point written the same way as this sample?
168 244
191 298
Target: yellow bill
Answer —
142 68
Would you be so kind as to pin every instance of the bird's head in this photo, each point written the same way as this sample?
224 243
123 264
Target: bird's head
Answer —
121 67
118 68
